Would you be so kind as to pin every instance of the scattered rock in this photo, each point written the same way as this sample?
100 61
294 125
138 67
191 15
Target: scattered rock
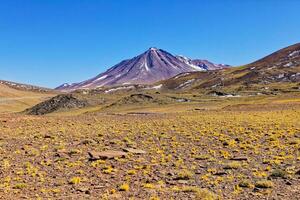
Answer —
87 141
48 136
288 183
84 190
134 151
217 93
240 159
171 182
256 189
183 181
201 109
103 155
180 99
170 174
59 155
220 173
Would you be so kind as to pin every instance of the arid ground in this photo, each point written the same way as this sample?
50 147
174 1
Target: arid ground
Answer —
218 148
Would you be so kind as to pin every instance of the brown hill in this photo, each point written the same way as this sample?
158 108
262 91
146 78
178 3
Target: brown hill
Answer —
15 97
282 66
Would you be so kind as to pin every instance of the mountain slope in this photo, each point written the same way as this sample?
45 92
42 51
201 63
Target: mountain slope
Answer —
203 64
24 87
151 66
15 97
278 67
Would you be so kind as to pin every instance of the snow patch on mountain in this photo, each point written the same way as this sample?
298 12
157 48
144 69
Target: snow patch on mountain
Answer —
294 53
188 61
118 88
185 84
157 87
100 78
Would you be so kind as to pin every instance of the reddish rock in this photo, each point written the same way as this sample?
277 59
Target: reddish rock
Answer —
134 151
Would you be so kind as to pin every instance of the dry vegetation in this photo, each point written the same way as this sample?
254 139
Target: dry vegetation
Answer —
243 151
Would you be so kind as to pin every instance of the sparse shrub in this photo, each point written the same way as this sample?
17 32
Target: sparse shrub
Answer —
278 173
245 184
20 186
233 165
205 194
108 170
131 172
149 186
190 189
264 184
202 157
75 180
124 187
185 175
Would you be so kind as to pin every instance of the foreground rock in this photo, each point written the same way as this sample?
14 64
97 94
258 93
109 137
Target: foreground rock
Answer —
134 151
241 158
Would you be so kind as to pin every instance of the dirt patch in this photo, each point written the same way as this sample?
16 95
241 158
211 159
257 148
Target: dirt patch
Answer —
59 102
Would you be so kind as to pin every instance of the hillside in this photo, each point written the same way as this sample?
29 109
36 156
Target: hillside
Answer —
16 97
282 66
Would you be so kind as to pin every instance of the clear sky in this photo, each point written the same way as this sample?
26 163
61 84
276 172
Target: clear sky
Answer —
49 42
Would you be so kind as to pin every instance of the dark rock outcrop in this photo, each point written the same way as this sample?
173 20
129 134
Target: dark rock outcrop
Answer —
59 102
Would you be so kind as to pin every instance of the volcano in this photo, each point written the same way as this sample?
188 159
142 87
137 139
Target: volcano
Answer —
149 67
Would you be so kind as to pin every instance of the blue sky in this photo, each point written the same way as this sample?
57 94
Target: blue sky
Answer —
49 42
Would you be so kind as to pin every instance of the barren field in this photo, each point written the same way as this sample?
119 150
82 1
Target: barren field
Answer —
238 152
